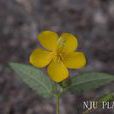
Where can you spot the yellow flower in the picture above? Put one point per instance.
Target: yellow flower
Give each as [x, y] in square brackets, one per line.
[58, 53]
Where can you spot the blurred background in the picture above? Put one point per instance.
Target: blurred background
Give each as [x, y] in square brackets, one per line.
[20, 22]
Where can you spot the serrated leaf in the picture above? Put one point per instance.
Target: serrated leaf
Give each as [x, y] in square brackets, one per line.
[88, 81]
[34, 78]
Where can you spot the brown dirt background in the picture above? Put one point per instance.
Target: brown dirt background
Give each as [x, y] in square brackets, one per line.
[20, 22]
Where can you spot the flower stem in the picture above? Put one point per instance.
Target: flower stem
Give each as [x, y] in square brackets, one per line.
[57, 103]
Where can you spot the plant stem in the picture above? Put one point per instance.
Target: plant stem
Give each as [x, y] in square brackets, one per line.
[57, 103]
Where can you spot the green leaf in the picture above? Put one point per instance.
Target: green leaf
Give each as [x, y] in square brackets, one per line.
[88, 81]
[107, 97]
[34, 78]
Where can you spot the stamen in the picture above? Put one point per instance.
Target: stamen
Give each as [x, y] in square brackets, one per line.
[61, 44]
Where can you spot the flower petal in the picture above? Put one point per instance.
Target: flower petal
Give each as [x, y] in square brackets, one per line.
[48, 40]
[67, 42]
[40, 58]
[74, 60]
[57, 71]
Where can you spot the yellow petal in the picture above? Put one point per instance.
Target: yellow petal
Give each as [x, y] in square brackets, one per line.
[48, 40]
[40, 58]
[67, 42]
[74, 60]
[57, 71]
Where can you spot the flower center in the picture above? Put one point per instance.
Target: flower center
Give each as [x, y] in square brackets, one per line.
[58, 56]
